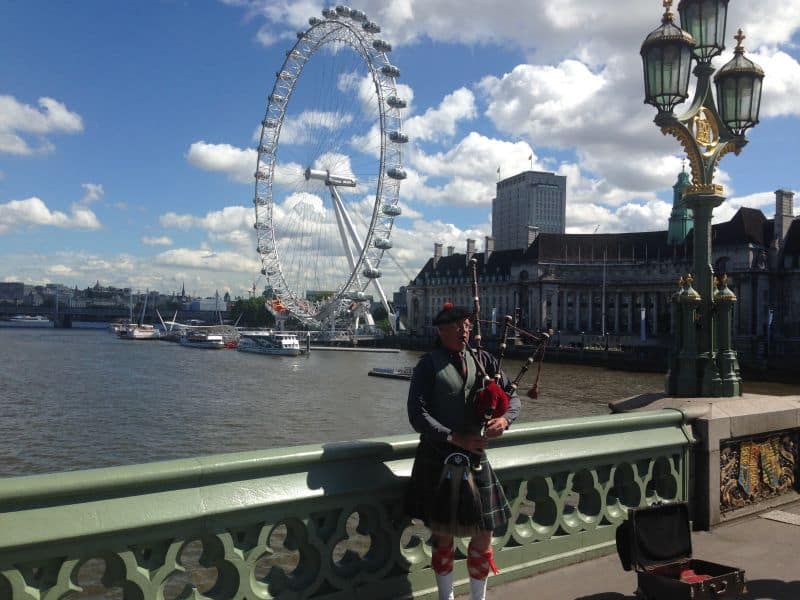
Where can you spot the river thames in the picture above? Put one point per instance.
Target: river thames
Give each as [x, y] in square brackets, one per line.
[77, 399]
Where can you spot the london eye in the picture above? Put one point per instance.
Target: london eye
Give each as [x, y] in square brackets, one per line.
[329, 170]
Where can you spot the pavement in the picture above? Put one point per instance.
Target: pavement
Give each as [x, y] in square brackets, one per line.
[768, 551]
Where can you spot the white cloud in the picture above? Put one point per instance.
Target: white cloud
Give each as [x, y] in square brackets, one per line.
[237, 163]
[92, 193]
[441, 121]
[61, 271]
[202, 259]
[157, 241]
[33, 212]
[782, 80]
[228, 219]
[18, 119]
[763, 201]
[304, 127]
[552, 104]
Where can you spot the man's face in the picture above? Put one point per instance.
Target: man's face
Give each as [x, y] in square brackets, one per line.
[454, 336]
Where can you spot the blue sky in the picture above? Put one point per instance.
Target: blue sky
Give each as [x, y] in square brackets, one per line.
[127, 129]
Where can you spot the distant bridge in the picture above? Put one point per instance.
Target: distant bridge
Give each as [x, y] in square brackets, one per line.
[66, 315]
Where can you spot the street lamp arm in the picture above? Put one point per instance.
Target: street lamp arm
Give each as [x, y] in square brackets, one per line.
[703, 96]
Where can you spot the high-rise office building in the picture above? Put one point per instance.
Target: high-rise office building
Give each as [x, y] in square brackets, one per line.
[528, 203]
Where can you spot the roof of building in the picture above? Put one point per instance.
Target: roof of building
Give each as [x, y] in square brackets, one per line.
[748, 225]
[587, 247]
[791, 245]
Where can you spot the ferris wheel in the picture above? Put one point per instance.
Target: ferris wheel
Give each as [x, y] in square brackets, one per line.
[329, 169]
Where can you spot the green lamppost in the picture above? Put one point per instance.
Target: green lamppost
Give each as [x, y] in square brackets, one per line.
[707, 131]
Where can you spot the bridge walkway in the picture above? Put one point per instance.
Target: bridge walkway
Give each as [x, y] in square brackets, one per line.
[768, 551]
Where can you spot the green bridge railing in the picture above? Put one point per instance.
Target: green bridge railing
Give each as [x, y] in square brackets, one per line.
[323, 521]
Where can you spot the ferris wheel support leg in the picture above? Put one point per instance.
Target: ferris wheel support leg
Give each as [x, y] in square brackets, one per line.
[354, 237]
[359, 245]
[337, 209]
[390, 315]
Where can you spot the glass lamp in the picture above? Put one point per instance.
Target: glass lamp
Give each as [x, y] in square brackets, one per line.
[705, 20]
[739, 90]
[666, 58]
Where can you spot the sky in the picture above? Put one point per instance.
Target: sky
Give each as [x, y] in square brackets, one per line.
[128, 130]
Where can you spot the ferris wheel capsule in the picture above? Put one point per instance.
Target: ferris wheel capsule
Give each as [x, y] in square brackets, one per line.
[398, 137]
[392, 210]
[396, 102]
[371, 27]
[371, 273]
[382, 46]
[383, 243]
[390, 71]
[396, 173]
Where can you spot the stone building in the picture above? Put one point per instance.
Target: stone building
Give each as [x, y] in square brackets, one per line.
[621, 284]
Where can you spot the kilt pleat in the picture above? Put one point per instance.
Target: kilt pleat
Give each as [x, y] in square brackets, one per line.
[425, 474]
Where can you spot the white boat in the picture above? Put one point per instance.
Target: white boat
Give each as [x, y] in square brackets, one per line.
[27, 321]
[140, 332]
[269, 342]
[200, 339]
[117, 328]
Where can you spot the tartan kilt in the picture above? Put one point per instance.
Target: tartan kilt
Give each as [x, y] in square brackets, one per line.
[425, 474]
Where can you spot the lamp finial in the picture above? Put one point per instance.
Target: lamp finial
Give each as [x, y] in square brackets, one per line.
[739, 37]
[668, 16]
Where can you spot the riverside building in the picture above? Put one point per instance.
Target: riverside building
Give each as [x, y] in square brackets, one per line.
[621, 284]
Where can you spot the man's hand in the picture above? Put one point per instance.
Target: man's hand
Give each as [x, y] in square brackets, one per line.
[472, 443]
[496, 427]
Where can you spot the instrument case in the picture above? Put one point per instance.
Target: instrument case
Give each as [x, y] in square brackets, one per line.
[656, 542]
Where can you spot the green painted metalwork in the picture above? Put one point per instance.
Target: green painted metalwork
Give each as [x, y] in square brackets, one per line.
[681, 218]
[706, 138]
[323, 521]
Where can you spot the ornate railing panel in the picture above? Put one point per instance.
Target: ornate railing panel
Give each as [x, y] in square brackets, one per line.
[323, 521]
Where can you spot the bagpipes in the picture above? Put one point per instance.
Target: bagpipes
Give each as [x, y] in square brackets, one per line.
[492, 400]
[457, 508]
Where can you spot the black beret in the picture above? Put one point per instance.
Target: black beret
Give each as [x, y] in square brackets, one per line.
[451, 314]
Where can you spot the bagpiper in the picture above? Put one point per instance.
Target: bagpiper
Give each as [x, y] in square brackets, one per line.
[457, 404]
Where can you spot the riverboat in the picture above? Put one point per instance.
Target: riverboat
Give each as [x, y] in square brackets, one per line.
[27, 321]
[201, 339]
[392, 373]
[140, 332]
[269, 342]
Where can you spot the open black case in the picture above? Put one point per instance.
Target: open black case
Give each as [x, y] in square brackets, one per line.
[656, 541]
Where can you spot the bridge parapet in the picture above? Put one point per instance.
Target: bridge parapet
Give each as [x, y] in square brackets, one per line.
[325, 521]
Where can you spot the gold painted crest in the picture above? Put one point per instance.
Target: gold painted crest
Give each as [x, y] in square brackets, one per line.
[704, 131]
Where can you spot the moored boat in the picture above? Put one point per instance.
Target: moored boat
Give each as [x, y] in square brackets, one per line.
[392, 373]
[140, 332]
[27, 321]
[201, 339]
[269, 342]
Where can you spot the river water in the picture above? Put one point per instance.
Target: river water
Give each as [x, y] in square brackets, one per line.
[77, 399]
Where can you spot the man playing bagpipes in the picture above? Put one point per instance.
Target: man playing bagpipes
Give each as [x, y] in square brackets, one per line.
[457, 406]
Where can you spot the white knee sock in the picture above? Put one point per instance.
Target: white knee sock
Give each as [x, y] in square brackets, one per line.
[445, 585]
[477, 588]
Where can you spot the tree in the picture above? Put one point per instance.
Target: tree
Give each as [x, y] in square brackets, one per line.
[253, 312]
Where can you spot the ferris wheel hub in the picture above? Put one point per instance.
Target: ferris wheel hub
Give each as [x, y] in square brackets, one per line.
[329, 179]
